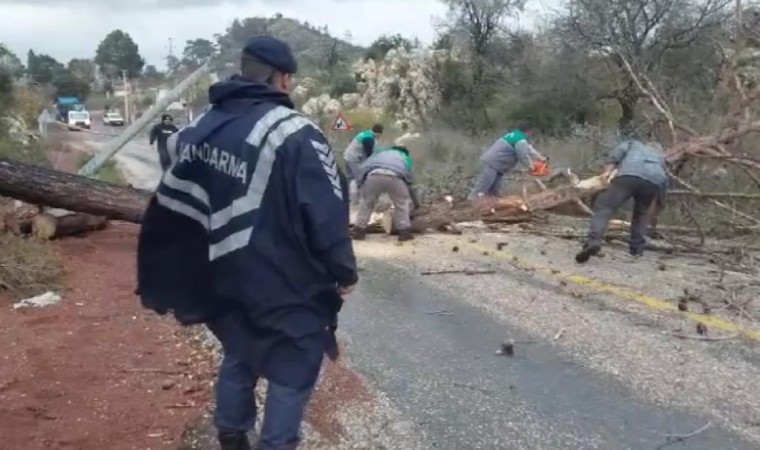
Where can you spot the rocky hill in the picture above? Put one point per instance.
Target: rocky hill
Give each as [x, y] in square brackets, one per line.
[314, 46]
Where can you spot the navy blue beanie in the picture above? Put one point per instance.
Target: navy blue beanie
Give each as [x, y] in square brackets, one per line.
[273, 52]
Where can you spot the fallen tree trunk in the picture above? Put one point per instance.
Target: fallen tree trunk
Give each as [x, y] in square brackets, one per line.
[510, 209]
[42, 186]
[57, 224]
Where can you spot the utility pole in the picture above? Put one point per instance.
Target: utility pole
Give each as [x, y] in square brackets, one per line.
[171, 55]
[111, 147]
[738, 33]
[125, 87]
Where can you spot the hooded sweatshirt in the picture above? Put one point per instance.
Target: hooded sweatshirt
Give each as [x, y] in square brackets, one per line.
[360, 148]
[252, 219]
[394, 159]
[507, 151]
[634, 158]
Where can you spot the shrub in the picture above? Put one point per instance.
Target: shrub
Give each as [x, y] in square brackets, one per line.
[28, 266]
[28, 102]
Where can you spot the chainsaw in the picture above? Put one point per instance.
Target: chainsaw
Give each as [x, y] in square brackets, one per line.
[540, 168]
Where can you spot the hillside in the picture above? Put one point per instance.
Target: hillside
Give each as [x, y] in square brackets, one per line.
[312, 45]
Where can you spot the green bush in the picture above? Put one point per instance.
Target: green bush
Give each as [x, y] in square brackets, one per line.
[343, 84]
[6, 90]
[33, 153]
[362, 119]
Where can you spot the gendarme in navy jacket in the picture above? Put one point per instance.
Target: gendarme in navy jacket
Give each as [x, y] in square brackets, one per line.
[251, 218]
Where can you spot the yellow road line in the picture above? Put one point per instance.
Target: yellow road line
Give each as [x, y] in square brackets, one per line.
[627, 294]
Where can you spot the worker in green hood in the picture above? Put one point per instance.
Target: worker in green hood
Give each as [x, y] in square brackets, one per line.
[502, 157]
[360, 148]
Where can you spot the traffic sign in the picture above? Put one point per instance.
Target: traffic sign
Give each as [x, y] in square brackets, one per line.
[341, 124]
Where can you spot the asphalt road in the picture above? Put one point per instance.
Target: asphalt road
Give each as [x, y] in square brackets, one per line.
[428, 343]
[138, 159]
[433, 355]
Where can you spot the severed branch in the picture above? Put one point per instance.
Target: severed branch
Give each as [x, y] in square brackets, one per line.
[730, 337]
[681, 437]
[730, 195]
[653, 95]
[458, 271]
[696, 223]
[715, 202]
[569, 176]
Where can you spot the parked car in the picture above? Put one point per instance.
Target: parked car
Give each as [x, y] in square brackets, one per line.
[113, 119]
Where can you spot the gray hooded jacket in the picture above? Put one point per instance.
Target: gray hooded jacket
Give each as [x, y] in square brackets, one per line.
[390, 160]
[502, 157]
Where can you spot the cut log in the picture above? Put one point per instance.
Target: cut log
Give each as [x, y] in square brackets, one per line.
[19, 226]
[16, 217]
[510, 209]
[53, 225]
[387, 222]
[42, 186]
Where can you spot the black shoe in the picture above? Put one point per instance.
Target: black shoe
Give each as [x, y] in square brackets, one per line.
[234, 441]
[405, 235]
[359, 234]
[636, 253]
[587, 252]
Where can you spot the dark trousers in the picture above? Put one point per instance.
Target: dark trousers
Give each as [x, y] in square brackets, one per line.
[163, 155]
[235, 400]
[622, 189]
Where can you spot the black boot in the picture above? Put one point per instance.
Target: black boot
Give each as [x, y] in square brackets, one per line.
[586, 253]
[405, 235]
[359, 234]
[234, 441]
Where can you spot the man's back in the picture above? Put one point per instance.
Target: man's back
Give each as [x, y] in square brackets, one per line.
[256, 182]
[248, 234]
[395, 160]
[643, 161]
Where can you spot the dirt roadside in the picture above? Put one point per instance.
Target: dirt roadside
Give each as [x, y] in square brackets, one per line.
[96, 370]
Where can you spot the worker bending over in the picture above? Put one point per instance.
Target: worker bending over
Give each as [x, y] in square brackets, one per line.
[389, 172]
[360, 148]
[639, 172]
[502, 157]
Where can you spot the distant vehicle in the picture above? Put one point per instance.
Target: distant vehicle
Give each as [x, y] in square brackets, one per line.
[113, 119]
[65, 104]
[79, 119]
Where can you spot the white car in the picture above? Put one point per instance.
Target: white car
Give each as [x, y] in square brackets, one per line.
[113, 119]
[78, 120]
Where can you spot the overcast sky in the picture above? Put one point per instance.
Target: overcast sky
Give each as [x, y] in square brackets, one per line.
[73, 28]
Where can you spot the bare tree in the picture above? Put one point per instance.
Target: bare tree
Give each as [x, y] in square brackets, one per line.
[482, 20]
[480, 24]
[332, 55]
[639, 34]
